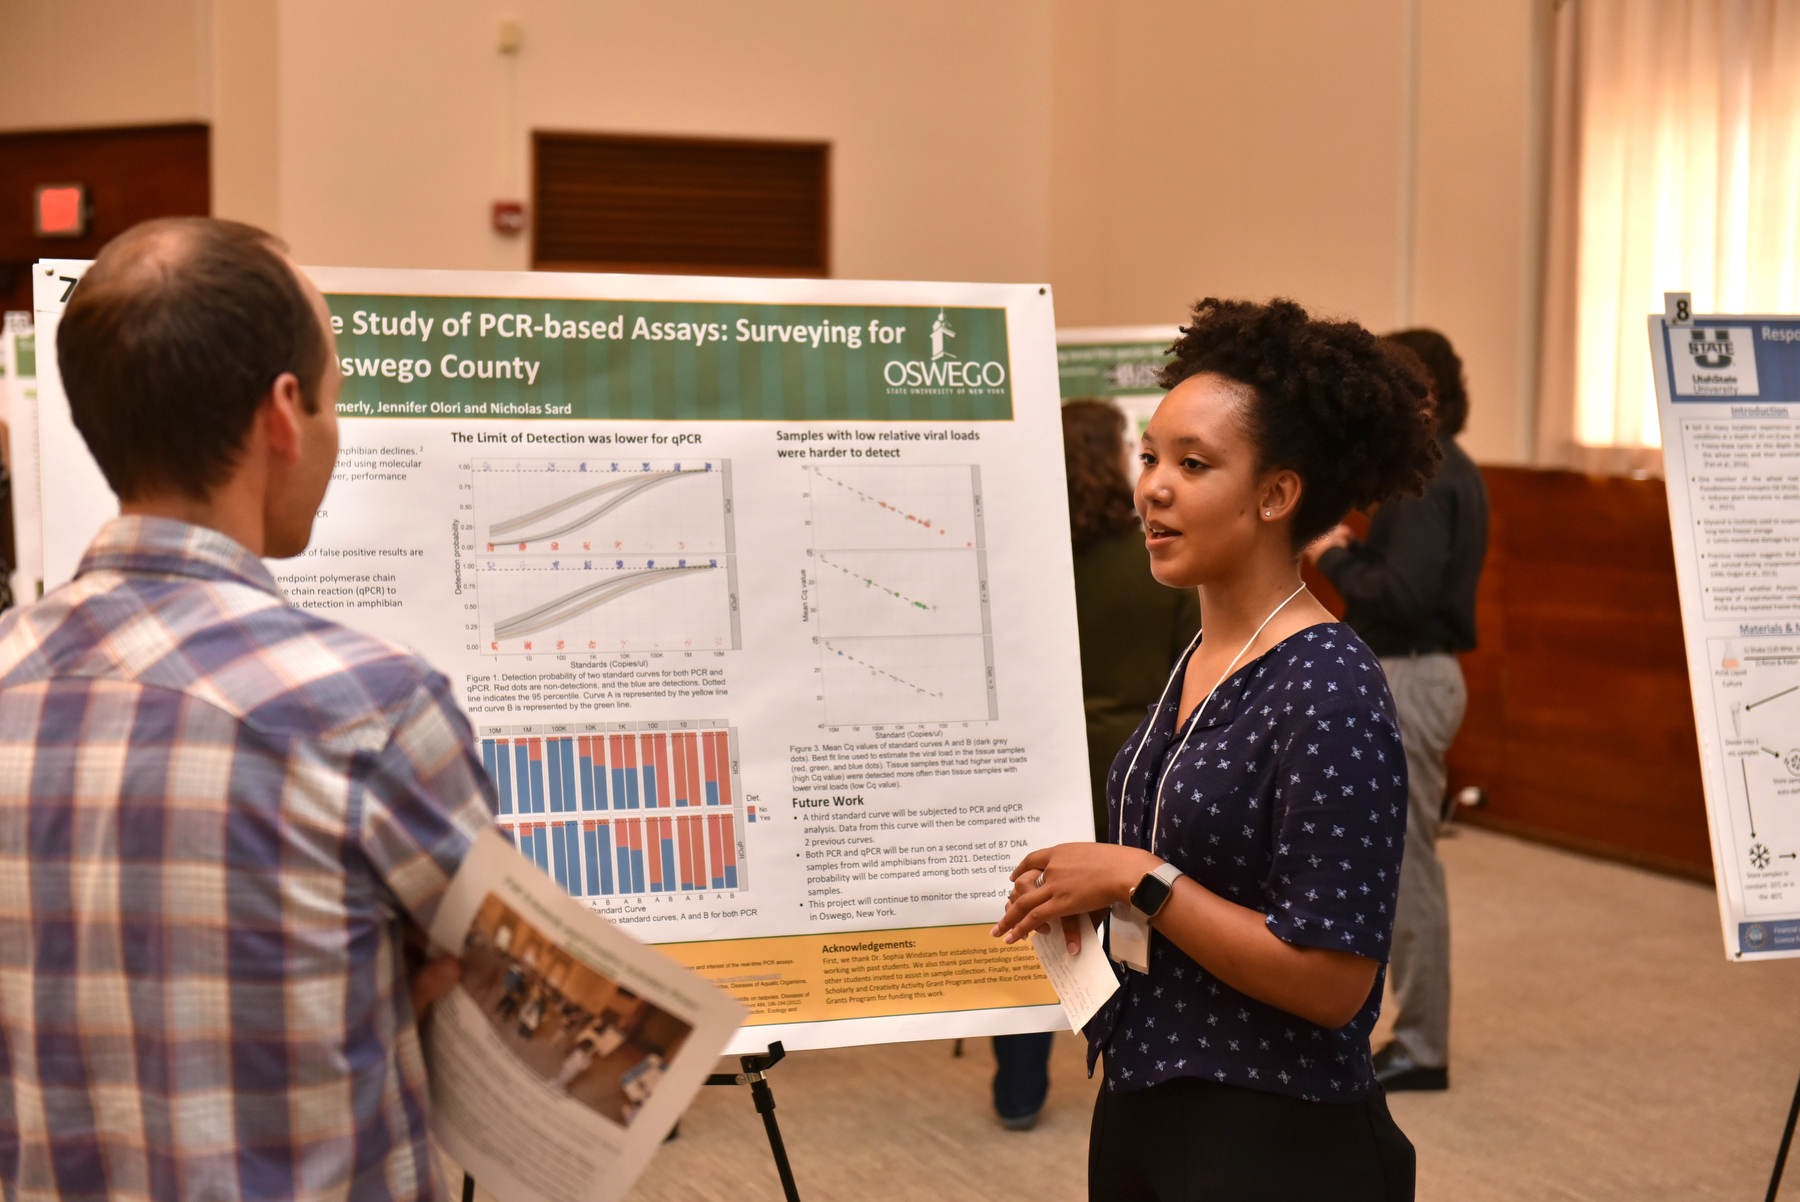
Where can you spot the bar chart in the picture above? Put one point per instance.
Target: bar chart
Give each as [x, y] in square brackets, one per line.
[612, 809]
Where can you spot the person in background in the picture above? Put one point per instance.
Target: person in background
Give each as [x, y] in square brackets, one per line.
[223, 820]
[1133, 629]
[1132, 632]
[1409, 591]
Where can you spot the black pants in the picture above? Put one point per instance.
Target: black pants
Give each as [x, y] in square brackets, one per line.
[1190, 1140]
[1021, 1073]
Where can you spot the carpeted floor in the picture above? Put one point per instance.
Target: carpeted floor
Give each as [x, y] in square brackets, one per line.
[1603, 1049]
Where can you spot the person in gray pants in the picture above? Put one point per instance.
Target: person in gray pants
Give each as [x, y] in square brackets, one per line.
[1409, 591]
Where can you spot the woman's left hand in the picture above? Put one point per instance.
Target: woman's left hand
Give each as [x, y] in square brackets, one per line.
[1069, 880]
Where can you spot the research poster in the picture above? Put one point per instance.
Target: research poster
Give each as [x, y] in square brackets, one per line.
[757, 592]
[1728, 394]
[1117, 364]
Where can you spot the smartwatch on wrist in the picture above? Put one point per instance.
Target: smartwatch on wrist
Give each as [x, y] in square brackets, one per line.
[1152, 892]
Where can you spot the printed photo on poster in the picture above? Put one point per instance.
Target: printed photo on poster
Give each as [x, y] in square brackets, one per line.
[590, 1036]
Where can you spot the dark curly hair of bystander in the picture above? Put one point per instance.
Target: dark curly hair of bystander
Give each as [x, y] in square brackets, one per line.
[1100, 501]
[1342, 409]
[1446, 368]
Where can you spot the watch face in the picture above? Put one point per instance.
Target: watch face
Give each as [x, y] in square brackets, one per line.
[1150, 894]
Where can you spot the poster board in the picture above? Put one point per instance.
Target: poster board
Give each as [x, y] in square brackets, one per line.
[1728, 396]
[1117, 364]
[757, 592]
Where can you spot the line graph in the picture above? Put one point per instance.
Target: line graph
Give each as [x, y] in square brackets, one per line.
[583, 554]
[869, 681]
[911, 506]
[870, 582]
[530, 604]
[887, 592]
[586, 506]
[576, 602]
[603, 506]
[898, 577]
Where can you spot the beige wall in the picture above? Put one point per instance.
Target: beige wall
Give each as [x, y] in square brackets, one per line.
[1246, 149]
[398, 129]
[245, 62]
[1477, 239]
[1262, 150]
[1138, 154]
[103, 62]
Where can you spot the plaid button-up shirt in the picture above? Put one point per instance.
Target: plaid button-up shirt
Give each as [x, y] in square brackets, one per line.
[217, 814]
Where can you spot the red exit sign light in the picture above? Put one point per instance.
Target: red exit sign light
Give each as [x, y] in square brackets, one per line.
[509, 216]
[60, 211]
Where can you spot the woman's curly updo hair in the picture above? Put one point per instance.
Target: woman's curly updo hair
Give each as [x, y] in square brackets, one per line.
[1343, 410]
[1100, 500]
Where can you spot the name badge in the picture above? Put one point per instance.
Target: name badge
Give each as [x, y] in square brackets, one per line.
[1129, 930]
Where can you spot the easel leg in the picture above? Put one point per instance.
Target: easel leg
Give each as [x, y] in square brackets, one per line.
[1787, 1141]
[753, 1075]
[765, 1106]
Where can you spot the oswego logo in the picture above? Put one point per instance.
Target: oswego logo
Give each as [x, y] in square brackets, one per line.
[940, 330]
[944, 370]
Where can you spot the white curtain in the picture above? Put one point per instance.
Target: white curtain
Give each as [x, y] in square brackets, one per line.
[1675, 166]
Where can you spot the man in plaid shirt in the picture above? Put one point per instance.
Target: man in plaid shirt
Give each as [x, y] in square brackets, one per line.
[222, 820]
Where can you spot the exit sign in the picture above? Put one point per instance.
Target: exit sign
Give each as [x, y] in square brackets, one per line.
[60, 211]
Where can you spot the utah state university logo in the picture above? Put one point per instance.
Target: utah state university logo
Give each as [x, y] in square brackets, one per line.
[1713, 361]
[1715, 353]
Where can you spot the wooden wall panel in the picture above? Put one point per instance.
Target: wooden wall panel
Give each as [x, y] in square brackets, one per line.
[1580, 722]
[132, 174]
[614, 202]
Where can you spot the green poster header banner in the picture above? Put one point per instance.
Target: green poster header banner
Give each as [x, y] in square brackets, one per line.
[510, 358]
[1108, 369]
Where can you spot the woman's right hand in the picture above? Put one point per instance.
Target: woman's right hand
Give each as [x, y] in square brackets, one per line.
[1066, 881]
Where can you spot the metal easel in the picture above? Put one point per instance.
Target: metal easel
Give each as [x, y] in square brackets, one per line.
[753, 1075]
[1787, 1141]
[755, 1068]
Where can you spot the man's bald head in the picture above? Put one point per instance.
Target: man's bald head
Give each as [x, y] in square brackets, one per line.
[172, 341]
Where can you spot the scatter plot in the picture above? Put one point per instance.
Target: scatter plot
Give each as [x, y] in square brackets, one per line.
[899, 576]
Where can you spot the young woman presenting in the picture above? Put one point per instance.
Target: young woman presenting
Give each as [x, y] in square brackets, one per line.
[1258, 816]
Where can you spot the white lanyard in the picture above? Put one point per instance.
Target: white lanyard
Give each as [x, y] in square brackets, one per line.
[1193, 722]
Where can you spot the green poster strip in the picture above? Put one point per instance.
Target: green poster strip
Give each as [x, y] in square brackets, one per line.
[1109, 369]
[27, 353]
[511, 359]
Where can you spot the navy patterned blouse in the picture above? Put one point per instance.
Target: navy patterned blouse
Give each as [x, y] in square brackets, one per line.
[1289, 798]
